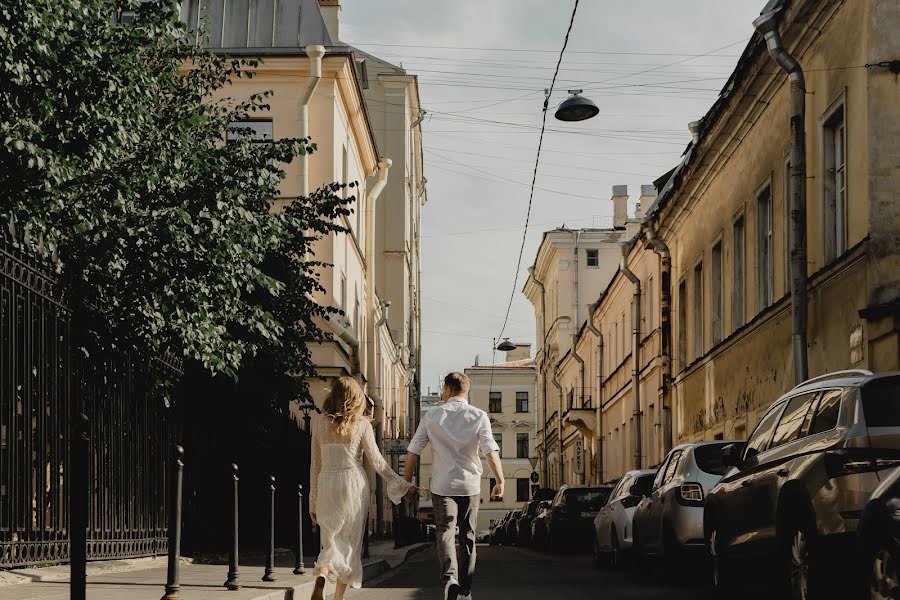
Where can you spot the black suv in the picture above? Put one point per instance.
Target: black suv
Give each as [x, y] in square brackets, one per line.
[571, 518]
[798, 488]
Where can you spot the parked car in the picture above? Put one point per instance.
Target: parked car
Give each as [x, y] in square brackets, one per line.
[497, 529]
[613, 524]
[668, 521]
[570, 518]
[509, 527]
[523, 525]
[799, 487]
[539, 524]
[879, 536]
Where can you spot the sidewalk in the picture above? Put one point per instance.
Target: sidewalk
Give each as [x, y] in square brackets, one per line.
[107, 581]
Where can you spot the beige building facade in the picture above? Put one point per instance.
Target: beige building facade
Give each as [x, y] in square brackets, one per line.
[507, 392]
[709, 264]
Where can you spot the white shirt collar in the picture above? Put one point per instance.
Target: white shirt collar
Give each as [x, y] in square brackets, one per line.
[457, 399]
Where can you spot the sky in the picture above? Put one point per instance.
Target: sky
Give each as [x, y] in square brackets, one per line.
[651, 66]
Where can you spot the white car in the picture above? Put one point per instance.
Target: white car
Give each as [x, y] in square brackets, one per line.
[612, 525]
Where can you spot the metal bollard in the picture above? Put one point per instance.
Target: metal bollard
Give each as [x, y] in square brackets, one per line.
[300, 568]
[172, 585]
[269, 574]
[80, 502]
[233, 582]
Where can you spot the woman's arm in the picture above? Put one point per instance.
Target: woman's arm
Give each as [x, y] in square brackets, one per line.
[397, 488]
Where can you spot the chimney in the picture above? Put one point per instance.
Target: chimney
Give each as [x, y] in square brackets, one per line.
[648, 197]
[620, 205]
[331, 13]
[694, 128]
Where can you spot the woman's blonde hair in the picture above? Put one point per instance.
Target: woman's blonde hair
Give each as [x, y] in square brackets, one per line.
[345, 404]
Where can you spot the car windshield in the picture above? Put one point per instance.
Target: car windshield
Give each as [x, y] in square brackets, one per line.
[709, 459]
[881, 402]
[582, 497]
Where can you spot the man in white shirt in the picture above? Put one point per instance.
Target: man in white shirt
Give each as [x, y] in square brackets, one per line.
[457, 432]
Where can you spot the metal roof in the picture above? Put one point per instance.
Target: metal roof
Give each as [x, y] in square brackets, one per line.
[287, 25]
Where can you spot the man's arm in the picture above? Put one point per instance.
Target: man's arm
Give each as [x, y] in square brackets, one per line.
[409, 471]
[493, 461]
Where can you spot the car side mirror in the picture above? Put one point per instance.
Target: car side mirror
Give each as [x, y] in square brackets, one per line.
[731, 455]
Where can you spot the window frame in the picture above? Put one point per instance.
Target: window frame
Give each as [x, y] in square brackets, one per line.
[823, 394]
[498, 438]
[519, 488]
[777, 407]
[491, 398]
[682, 323]
[590, 253]
[765, 247]
[527, 441]
[717, 309]
[519, 402]
[698, 333]
[834, 119]
[738, 293]
[812, 404]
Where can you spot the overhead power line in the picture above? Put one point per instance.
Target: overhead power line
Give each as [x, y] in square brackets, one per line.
[539, 50]
[537, 162]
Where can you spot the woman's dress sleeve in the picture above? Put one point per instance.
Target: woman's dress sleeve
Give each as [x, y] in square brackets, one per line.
[395, 485]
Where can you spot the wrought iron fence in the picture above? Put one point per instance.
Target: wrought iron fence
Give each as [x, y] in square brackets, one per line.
[43, 384]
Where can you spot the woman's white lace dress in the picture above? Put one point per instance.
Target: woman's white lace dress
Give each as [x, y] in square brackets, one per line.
[339, 494]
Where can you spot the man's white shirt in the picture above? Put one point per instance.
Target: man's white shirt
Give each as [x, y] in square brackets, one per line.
[457, 431]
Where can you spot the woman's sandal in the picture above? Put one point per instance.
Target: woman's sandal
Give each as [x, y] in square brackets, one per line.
[319, 589]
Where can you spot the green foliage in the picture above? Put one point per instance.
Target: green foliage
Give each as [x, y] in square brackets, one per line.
[112, 160]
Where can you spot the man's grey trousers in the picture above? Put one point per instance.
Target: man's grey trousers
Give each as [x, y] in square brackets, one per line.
[451, 512]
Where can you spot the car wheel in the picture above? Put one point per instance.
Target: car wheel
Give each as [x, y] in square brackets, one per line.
[883, 580]
[800, 560]
[717, 562]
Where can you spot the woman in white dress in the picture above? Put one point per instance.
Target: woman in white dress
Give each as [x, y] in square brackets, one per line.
[339, 487]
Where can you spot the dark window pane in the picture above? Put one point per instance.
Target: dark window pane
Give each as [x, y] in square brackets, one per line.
[521, 401]
[881, 402]
[827, 414]
[521, 490]
[792, 418]
[495, 403]
[672, 467]
[759, 441]
[709, 459]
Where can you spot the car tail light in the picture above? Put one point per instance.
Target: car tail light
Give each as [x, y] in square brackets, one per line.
[631, 501]
[690, 494]
[849, 461]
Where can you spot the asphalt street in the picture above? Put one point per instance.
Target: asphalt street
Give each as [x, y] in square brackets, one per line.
[524, 574]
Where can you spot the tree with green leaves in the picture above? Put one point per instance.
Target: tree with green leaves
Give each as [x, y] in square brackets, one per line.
[113, 163]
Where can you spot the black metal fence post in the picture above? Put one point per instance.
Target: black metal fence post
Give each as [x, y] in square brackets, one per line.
[81, 452]
[172, 584]
[300, 568]
[269, 574]
[233, 582]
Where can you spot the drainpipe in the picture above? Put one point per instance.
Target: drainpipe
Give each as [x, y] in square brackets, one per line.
[635, 352]
[576, 238]
[665, 326]
[766, 24]
[546, 466]
[562, 472]
[379, 422]
[384, 167]
[315, 54]
[598, 410]
[580, 361]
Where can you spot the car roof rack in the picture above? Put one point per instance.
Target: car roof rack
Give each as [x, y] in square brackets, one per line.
[836, 375]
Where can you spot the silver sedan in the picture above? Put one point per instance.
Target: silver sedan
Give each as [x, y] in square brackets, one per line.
[612, 525]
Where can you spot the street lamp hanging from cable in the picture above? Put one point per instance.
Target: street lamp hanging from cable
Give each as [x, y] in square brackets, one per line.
[576, 108]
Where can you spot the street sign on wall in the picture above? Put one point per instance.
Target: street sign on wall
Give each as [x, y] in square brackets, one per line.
[395, 447]
[579, 456]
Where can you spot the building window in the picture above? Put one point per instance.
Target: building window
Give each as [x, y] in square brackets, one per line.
[498, 437]
[491, 483]
[258, 132]
[682, 324]
[495, 402]
[343, 292]
[650, 306]
[571, 399]
[737, 290]
[787, 227]
[522, 490]
[765, 267]
[835, 184]
[699, 314]
[593, 258]
[717, 293]
[522, 445]
[522, 402]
